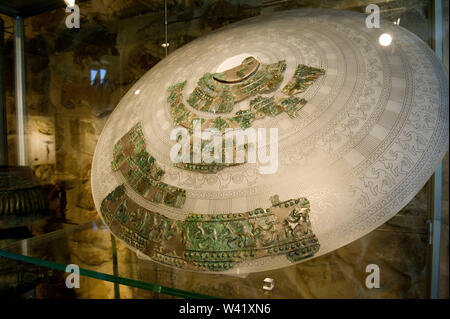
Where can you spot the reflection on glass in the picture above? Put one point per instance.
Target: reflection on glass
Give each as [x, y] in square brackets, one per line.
[385, 39]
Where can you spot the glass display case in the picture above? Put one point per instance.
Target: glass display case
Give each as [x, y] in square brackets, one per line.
[64, 71]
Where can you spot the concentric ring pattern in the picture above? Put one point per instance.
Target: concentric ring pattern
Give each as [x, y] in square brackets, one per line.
[373, 130]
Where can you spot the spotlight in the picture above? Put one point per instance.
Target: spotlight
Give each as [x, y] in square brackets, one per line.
[385, 39]
[70, 3]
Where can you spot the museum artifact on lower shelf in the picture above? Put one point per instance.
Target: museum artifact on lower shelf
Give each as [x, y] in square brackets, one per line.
[22, 199]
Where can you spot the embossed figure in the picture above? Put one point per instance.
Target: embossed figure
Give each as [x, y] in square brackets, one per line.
[218, 93]
[213, 242]
[139, 169]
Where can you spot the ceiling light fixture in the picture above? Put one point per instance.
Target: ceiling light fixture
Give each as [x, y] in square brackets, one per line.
[385, 39]
[70, 3]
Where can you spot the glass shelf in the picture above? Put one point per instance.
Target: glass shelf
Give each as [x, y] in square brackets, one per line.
[100, 256]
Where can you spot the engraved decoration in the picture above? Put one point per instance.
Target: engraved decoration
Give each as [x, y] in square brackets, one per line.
[361, 128]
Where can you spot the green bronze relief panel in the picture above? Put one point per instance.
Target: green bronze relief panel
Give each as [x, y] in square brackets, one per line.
[141, 171]
[246, 69]
[217, 93]
[303, 77]
[260, 107]
[234, 85]
[213, 242]
[273, 106]
[209, 168]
